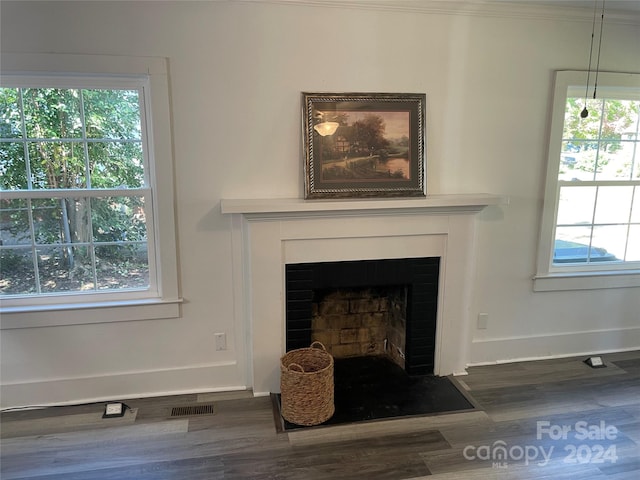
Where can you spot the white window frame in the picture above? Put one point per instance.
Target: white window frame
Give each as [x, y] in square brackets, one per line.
[550, 277]
[162, 299]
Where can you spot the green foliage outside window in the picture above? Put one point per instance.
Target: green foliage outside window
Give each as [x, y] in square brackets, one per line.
[600, 145]
[71, 139]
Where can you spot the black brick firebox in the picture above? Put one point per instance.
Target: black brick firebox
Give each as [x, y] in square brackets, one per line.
[419, 275]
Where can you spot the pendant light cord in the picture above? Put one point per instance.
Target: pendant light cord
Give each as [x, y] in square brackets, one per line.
[585, 112]
[595, 86]
[593, 34]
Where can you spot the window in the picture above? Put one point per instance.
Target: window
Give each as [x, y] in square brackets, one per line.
[81, 217]
[591, 218]
[73, 215]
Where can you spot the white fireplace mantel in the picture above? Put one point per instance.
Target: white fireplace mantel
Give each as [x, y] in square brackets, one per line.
[447, 203]
[268, 234]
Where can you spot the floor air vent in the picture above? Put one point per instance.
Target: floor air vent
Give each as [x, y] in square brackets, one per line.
[193, 410]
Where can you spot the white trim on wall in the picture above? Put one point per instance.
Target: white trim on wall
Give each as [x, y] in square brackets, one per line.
[122, 386]
[566, 344]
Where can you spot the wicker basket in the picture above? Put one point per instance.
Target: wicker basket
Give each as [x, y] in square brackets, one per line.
[306, 385]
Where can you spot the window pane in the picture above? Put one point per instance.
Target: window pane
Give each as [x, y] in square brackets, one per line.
[57, 165]
[568, 161]
[65, 269]
[578, 160]
[61, 220]
[633, 246]
[47, 221]
[112, 114]
[620, 118]
[571, 244]
[576, 205]
[615, 161]
[122, 266]
[613, 204]
[576, 127]
[13, 168]
[10, 119]
[608, 241]
[116, 164]
[14, 223]
[17, 274]
[52, 113]
[118, 219]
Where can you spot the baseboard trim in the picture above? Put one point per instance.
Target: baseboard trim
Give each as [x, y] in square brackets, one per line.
[122, 386]
[544, 347]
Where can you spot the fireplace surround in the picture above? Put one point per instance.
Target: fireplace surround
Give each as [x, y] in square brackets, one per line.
[270, 234]
[418, 278]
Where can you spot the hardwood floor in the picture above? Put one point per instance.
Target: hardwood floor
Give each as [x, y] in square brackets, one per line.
[524, 408]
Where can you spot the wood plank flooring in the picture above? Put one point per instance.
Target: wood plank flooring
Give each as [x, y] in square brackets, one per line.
[239, 441]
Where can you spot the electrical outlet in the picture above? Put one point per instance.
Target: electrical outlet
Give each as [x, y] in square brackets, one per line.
[221, 341]
[483, 321]
[595, 362]
[113, 410]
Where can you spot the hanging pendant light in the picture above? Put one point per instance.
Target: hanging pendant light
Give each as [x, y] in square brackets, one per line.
[585, 113]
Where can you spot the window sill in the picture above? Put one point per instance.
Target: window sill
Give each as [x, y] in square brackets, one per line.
[88, 313]
[586, 281]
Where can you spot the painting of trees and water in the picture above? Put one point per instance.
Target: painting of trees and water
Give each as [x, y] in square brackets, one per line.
[366, 145]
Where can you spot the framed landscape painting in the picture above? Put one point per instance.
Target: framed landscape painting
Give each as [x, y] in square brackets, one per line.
[364, 145]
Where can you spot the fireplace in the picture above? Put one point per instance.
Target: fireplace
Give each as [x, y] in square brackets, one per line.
[271, 236]
[367, 307]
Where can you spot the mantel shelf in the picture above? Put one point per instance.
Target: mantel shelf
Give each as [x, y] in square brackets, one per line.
[448, 203]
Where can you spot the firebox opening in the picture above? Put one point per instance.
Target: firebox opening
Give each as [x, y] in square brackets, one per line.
[367, 321]
[366, 307]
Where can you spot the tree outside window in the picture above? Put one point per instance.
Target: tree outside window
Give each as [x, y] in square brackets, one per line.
[74, 204]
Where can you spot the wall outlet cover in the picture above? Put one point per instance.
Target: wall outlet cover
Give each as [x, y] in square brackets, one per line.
[595, 362]
[221, 341]
[113, 410]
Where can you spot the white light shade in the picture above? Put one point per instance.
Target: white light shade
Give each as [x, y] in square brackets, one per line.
[326, 128]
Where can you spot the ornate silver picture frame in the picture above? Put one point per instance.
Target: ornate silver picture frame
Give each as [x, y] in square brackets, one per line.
[364, 144]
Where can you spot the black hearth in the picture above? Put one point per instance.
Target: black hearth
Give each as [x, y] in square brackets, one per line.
[375, 388]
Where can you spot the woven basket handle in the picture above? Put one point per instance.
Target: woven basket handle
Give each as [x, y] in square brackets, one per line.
[321, 346]
[296, 367]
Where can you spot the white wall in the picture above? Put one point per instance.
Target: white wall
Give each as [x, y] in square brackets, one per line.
[237, 70]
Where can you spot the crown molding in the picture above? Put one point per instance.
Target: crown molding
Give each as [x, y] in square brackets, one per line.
[524, 9]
